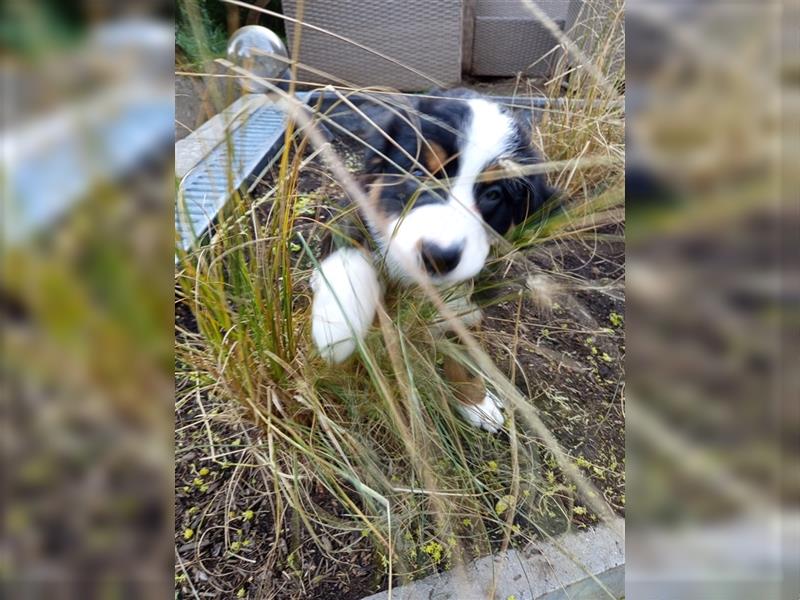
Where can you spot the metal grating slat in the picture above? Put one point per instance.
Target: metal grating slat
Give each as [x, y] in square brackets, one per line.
[205, 189]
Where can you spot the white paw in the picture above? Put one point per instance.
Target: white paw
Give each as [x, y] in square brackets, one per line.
[487, 414]
[346, 296]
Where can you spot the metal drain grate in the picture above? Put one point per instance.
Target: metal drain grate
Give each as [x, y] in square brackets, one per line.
[206, 188]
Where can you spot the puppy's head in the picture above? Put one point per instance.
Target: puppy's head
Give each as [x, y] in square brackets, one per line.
[441, 173]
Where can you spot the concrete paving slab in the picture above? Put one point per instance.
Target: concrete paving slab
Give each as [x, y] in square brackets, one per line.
[548, 570]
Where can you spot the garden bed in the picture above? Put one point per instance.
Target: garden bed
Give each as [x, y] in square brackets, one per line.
[553, 323]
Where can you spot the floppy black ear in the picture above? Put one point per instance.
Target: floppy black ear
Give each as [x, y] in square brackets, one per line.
[390, 136]
[542, 199]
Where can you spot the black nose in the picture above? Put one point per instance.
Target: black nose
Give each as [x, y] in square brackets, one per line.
[439, 260]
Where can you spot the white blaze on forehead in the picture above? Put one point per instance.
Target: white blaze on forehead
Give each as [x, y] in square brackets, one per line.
[489, 135]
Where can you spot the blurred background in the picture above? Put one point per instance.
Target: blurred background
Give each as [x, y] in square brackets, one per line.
[86, 298]
[712, 288]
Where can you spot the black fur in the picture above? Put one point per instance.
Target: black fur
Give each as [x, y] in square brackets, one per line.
[395, 150]
[404, 126]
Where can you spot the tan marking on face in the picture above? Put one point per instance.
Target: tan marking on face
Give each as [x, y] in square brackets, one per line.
[493, 172]
[434, 157]
[374, 199]
[468, 387]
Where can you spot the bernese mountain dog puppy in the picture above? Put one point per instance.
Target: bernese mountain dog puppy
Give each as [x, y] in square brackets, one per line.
[429, 168]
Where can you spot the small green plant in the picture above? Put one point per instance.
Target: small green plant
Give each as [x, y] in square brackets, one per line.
[199, 36]
[434, 550]
[504, 503]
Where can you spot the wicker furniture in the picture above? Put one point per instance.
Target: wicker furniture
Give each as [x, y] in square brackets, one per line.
[508, 39]
[414, 45]
[421, 37]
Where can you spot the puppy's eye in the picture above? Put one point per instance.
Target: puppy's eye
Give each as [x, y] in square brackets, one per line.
[417, 173]
[492, 195]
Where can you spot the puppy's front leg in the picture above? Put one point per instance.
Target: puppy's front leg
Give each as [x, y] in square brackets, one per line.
[346, 296]
[476, 404]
